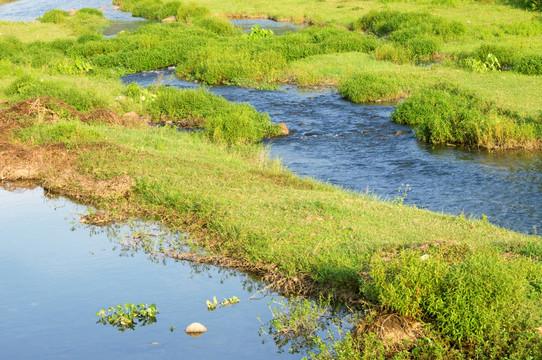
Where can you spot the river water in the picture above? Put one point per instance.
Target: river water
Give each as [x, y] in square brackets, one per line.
[357, 147]
[56, 274]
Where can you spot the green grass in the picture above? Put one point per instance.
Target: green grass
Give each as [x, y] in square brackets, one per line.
[463, 276]
[447, 114]
[475, 286]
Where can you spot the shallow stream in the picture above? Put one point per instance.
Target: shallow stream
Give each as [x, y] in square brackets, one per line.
[358, 147]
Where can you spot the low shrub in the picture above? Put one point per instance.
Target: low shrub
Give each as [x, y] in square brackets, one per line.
[88, 37]
[395, 53]
[446, 114]
[533, 5]
[368, 87]
[423, 46]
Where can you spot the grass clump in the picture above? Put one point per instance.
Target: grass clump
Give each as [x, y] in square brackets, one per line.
[54, 16]
[218, 26]
[191, 11]
[477, 300]
[30, 86]
[406, 25]
[369, 87]
[446, 114]
[528, 64]
[89, 11]
[415, 36]
[72, 133]
[223, 121]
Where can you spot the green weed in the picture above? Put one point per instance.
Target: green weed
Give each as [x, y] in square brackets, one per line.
[128, 316]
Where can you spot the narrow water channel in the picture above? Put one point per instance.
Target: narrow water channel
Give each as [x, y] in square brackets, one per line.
[358, 147]
[56, 274]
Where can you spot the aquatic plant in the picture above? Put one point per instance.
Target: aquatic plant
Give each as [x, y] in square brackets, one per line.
[491, 63]
[211, 306]
[256, 33]
[230, 301]
[128, 316]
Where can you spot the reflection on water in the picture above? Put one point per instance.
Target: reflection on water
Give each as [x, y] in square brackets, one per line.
[57, 274]
[26, 10]
[358, 147]
[123, 25]
[279, 28]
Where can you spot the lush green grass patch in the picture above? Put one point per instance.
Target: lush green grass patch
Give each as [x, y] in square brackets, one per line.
[447, 114]
[369, 87]
[223, 121]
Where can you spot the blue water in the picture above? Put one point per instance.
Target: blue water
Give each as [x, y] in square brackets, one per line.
[56, 274]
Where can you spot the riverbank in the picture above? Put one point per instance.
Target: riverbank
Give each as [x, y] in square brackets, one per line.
[312, 238]
[456, 282]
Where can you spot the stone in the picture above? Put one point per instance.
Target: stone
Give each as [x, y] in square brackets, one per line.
[116, 8]
[195, 329]
[401, 132]
[72, 12]
[283, 129]
[169, 19]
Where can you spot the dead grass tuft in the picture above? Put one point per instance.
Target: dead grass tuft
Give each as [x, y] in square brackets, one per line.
[391, 329]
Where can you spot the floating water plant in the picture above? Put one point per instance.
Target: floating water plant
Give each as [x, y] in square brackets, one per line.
[128, 316]
[211, 306]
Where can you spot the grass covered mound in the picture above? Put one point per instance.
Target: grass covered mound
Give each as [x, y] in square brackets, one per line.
[447, 114]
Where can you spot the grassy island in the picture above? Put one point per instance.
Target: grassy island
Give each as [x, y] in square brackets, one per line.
[455, 287]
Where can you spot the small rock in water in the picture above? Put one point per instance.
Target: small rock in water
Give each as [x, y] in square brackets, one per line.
[195, 329]
[303, 124]
[401, 132]
[116, 7]
[283, 129]
[154, 343]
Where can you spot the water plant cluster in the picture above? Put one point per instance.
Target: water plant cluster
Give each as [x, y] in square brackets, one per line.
[128, 316]
[455, 287]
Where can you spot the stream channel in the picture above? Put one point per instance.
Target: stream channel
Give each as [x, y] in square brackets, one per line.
[357, 147]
